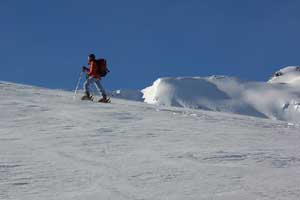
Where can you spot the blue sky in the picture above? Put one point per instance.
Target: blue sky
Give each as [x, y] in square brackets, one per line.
[45, 43]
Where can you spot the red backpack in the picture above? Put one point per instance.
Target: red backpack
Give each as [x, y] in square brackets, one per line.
[102, 69]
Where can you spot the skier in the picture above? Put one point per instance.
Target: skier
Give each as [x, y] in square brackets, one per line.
[97, 69]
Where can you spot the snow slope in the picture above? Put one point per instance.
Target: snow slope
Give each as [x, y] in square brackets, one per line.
[277, 99]
[55, 147]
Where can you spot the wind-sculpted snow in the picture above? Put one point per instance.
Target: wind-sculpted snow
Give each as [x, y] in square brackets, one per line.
[227, 94]
[289, 75]
[55, 147]
[184, 90]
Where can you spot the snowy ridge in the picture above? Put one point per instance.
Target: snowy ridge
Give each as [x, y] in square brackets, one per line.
[55, 147]
[229, 94]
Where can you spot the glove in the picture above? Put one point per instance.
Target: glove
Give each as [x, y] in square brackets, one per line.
[84, 68]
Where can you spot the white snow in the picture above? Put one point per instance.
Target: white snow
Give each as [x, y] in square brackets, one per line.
[129, 94]
[279, 98]
[288, 75]
[55, 148]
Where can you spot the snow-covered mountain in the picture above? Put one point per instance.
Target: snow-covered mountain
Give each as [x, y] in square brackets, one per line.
[56, 147]
[279, 98]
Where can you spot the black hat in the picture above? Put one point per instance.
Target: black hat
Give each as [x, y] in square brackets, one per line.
[92, 56]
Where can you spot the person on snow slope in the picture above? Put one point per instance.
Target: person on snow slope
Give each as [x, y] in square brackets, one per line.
[97, 69]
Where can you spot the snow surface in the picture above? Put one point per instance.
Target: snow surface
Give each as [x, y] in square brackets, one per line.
[279, 98]
[134, 95]
[55, 147]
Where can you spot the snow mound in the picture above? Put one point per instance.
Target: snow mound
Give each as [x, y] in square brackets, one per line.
[288, 75]
[229, 94]
[199, 93]
[183, 92]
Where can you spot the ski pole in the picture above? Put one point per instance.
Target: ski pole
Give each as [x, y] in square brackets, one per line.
[78, 82]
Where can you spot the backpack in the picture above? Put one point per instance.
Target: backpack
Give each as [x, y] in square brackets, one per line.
[102, 69]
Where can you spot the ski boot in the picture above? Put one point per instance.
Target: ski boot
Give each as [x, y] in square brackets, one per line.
[104, 99]
[87, 96]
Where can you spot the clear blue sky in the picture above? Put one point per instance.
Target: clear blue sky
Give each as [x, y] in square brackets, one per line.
[45, 43]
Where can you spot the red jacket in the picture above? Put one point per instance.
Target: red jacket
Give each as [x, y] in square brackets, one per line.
[93, 70]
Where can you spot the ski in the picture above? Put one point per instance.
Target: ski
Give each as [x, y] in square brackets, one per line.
[93, 99]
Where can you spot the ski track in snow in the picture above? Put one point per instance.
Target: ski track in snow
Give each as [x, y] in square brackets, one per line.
[55, 147]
